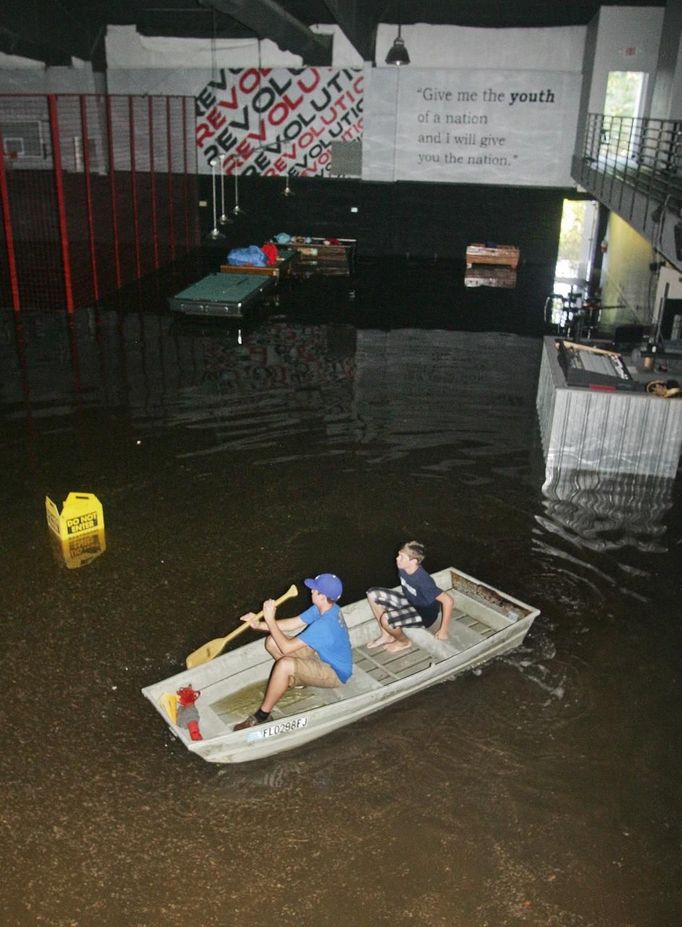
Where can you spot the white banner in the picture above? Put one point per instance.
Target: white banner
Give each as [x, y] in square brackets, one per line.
[490, 127]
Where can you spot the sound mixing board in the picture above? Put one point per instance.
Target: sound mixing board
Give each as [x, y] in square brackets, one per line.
[586, 366]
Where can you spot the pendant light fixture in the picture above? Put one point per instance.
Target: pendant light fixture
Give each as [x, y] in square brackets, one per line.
[215, 232]
[397, 53]
[237, 211]
[224, 218]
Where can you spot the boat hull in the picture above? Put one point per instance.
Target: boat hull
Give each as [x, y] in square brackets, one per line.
[486, 624]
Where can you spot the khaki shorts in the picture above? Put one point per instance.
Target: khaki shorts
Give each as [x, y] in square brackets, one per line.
[310, 670]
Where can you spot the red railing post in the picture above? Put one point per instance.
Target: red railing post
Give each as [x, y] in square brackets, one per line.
[88, 196]
[9, 231]
[112, 188]
[152, 183]
[171, 213]
[133, 185]
[61, 204]
[185, 181]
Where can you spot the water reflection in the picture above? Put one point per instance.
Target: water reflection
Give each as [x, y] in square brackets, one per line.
[500, 277]
[419, 389]
[407, 389]
[283, 380]
[595, 528]
[452, 403]
[607, 511]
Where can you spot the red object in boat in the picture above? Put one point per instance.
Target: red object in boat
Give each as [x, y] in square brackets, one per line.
[194, 732]
[187, 695]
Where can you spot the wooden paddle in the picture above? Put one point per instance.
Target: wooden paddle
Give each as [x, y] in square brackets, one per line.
[212, 649]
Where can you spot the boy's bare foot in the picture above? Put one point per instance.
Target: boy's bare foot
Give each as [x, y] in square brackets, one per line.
[397, 646]
[379, 642]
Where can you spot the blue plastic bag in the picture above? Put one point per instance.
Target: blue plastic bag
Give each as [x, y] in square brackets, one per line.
[252, 255]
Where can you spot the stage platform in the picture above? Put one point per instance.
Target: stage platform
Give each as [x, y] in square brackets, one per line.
[607, 424]
[224, 295]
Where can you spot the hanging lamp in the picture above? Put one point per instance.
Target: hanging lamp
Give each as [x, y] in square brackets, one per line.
[237, 211]
[215, 232]
[397, 54]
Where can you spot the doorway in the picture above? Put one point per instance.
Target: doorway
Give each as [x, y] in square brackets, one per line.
[577, 243]
[575, 257]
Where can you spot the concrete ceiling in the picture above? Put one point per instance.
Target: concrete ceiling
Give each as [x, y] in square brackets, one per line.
[54, 32]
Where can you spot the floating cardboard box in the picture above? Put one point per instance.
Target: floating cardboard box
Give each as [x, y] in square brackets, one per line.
[81, 513]
[79, 550]
[488, 253]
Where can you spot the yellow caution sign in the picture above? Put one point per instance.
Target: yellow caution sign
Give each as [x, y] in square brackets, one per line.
[81, 513]
[81, 549]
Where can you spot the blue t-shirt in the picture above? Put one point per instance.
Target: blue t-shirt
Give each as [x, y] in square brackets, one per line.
[421, 591]
[328, 635]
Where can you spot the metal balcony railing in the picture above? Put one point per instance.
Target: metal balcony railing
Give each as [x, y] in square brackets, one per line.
[622, 155]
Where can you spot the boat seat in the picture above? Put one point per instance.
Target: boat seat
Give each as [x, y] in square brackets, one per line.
[467, 631]
[358, 684]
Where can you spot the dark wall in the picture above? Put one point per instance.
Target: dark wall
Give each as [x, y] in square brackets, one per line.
[419, 219]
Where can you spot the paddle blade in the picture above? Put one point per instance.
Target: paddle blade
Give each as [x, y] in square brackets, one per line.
[211, 650]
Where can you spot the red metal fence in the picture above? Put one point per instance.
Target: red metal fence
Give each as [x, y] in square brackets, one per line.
[96, 191]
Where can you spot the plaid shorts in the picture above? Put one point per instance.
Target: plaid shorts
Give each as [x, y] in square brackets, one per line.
[399, 612]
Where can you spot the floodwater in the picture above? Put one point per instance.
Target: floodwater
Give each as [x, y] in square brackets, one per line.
[542, 790]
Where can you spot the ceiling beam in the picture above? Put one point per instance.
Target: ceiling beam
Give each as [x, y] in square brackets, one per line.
[44, 32]
[270, 21]
[358, 21]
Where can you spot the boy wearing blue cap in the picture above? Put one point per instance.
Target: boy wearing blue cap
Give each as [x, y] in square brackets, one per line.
[319, 655]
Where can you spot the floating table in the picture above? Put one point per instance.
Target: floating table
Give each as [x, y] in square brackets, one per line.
[479, 253]
[227, 295]
[286, 263]
[325, 256]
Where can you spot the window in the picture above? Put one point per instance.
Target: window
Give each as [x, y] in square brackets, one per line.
[623, 107]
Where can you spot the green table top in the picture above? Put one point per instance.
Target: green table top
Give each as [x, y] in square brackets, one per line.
[224, 288]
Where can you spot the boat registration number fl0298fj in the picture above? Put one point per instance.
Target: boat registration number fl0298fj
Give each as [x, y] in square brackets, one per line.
[284, 727]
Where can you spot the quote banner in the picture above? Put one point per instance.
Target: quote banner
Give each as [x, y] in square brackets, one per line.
[490, 127]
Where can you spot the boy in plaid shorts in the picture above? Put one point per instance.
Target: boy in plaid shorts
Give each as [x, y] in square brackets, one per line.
[419, 603]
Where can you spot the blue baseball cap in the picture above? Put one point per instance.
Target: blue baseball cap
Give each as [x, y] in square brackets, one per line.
[328, 584]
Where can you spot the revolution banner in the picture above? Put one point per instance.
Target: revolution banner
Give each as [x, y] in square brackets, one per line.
[482, 126]
[278, 121]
